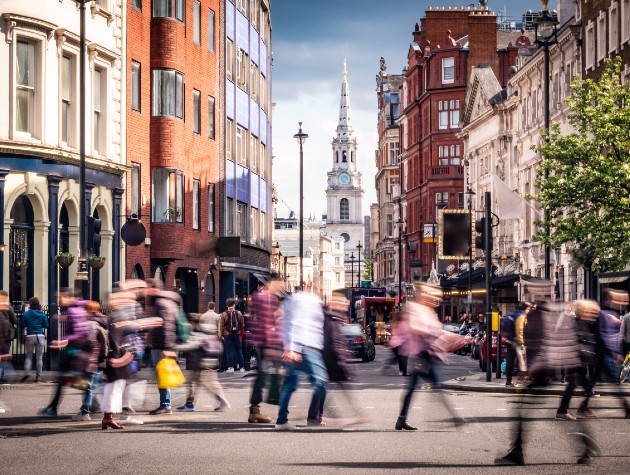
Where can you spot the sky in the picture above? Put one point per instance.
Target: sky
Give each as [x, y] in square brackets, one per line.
[310, 39]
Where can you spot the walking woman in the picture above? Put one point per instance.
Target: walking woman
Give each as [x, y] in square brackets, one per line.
[35, 322]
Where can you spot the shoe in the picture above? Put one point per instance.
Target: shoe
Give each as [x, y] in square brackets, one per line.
[400, 373]
[129, 410]
[24, 378]
[586, 414]
[315, 423]
[38, 379]
[161, 410]
[132, 421]
[401, 424]
[223, 405]
[594, 394]
[81, 417]
[2, 411]
[627, 412]
[258, 418]
[187, 408]
[229, 370]
[286, 427]
[513, 457]
[48, 412]
[585, 460]
[242, 370]
[510, 385]
[109, 423]
[565, 416]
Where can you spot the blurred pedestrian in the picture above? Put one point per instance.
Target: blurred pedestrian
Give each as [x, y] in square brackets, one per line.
[266, 330]
[200, 362]
[552, 350]
[513, 330]
[398, 335]
[76, 341]
[35, 322]
[610, 357]
[303, 341]
[624, 334]
[426, 344]
[231, 325]
[8, 332]
[163, 339]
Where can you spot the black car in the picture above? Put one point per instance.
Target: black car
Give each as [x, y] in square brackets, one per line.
[359, 344]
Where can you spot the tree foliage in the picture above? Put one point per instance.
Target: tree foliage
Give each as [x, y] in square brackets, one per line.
[584, 178]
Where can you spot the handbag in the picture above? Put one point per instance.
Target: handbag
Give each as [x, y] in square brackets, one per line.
[169, 374]
[419, 364]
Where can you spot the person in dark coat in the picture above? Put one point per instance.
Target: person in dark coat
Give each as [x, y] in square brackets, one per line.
[8, 321]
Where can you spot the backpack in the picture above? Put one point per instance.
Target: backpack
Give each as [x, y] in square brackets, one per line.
[507, 328]
[182, 328]
[232, 322]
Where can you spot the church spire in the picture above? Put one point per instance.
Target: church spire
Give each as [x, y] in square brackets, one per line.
[344, 128]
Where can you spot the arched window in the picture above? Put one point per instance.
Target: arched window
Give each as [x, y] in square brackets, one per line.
[344, 158]
[337, 156]
[351, 156]
[344, 209]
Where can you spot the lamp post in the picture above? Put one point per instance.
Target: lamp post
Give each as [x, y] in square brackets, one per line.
[546, 36]
[352, 269]
[470, 194]
[359, 247]
[301, 138]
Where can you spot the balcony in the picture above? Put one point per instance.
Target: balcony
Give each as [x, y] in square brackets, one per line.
[447, 171]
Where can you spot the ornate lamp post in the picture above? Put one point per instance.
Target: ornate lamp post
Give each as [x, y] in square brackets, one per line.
[301, 138]
[359, 247]
[546, 36]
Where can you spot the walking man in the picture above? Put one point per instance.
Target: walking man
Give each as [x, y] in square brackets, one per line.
[230, 327]
[303, 341]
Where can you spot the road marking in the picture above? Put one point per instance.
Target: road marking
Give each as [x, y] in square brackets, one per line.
[369, 407]
[501, 409]
[417, 407]
[458, 408]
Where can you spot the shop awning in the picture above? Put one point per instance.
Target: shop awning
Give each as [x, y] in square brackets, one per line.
[505, 281]
[613, 277]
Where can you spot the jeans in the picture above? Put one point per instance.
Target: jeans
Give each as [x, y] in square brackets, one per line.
[233, 344]
[433, 376]
[34, 342]
[312, 365]
[260, 382]
[575, 377]
[165, 394]
[88, 398]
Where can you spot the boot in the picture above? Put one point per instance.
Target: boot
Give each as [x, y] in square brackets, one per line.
[255, 416]
[401, 424]
[109, 422]
[627, 407]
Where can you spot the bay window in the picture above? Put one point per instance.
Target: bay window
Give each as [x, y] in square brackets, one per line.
[168, 93]
[169, 9]
[167, 190]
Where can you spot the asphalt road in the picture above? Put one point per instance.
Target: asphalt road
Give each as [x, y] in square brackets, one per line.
[209, 442]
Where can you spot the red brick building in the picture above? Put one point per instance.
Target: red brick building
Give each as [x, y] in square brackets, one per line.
[446, 45]
[172, 143]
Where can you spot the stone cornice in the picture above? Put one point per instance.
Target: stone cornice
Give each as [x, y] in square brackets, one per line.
[60, 155]
[13, 20]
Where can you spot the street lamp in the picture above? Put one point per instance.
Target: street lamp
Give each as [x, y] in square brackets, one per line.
[470, 194]
[352, 269]
[301, 138]
[359, 247]
[546, 36]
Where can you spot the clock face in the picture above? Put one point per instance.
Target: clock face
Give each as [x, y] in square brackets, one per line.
[344, 178]
[428, 231]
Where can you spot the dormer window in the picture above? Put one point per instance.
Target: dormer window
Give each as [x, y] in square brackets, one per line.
[448, 70]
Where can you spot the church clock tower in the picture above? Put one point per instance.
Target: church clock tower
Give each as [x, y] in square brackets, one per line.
[344, 191]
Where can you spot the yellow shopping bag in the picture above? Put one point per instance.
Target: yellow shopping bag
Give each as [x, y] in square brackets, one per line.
[169, 375]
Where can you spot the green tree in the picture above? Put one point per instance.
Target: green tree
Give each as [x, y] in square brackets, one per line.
[586, 193]
[367, 269]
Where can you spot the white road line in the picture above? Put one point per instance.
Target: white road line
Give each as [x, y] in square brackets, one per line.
[369, 407]
[500, 409]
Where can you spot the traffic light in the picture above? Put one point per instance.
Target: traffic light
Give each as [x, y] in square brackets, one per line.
[455, 234]
[94, 234]
[480, 229]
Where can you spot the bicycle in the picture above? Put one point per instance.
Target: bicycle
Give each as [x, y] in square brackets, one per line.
[625, 369]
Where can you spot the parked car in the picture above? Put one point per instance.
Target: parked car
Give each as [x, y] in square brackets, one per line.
[482, 352]
[359, 344]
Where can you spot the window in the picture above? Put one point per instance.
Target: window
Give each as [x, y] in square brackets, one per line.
[196, 111]
[337, 261]
[26, 84]
[241, 145]
[263, 161]
[135, 86]
[613, 31]
[241, 220]
[448, 70]
[169, 9]
[168, 93]
[97, 108]
[137, 4]
[589, 45]
[167, 195]
[135, 189]
[338, 277]
[601, 36]
[66, 98]
[210, 207]
[229, 137]
[344, 209]
[255, 224]
[197, 23]
[211, 27]
[449, 155]
[625, 21]
[211, 117]
[229, 59]
[196, 204]
[454, 107]
[394, 149]
[443, 114]
[263, 229]
[390, 225]
[253, 155]
[230, 216]
[242, 74]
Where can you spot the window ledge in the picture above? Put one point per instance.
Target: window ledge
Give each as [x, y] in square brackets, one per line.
[26, 22]
[98, 10]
